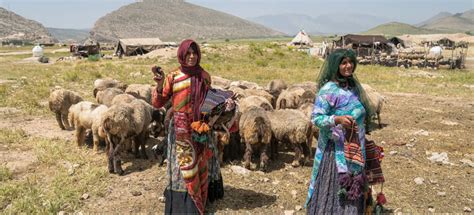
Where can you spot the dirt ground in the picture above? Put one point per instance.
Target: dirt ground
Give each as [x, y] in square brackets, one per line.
[414, 127]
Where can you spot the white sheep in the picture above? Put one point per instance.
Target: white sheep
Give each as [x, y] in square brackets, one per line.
[102, 84]
[376, 101]
[87, 115]
[254, 101]
[60, 100]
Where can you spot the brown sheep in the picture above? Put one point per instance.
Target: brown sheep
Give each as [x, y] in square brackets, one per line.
[220, 82]
[124, 121]
[290, 98]
[87, 115]
[102, 84]
[292, 127]
[254, 101]
[106, 96]
[60, 100]
[261, 93]
[256, 132]
[140, 91]
[274, 87]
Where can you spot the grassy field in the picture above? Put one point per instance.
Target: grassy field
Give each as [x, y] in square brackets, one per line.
[61, 173]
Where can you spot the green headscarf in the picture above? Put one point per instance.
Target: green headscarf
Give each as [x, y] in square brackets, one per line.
[330, 72]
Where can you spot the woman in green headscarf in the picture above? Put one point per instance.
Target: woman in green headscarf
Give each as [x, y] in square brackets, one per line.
[341, 108]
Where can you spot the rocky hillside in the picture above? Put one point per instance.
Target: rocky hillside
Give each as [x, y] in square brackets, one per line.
[69, 35]
[397, 28]
[16, 27]
[459, 22]
[174, 20]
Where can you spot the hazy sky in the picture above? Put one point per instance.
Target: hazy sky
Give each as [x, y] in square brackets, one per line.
[80, 14]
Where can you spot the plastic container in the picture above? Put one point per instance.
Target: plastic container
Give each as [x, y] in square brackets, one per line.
[37, 51]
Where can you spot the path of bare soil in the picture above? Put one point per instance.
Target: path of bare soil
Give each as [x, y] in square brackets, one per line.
[414, 126]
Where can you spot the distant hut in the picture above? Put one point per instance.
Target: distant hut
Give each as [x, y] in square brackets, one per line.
[301, 39]
[89, 47]
[138, 46]
[364, 44]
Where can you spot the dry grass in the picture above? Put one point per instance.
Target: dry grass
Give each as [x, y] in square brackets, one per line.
[49, 188]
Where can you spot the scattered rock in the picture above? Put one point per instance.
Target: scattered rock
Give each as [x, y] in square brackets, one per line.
[382, 142]
[84, 196]
[431, 209]
[294, 193]
[276, 182]
[298, 207]
[442, 194]
[266, 179]
[393, 152]
[240, 170]
[422, 132]
[467, 209]
[126, 179]
[289, 212]
[136, 193]
[61, 212]
[162, 199]
[419, 180]
[467, 162]
[447, 122]
[441, 158]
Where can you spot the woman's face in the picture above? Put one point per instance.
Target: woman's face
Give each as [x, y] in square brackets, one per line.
[346, 68]
[191, 57]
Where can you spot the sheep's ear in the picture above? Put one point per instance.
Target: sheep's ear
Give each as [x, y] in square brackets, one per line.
[95, 92]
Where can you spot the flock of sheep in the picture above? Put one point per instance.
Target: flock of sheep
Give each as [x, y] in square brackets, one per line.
[277, 115]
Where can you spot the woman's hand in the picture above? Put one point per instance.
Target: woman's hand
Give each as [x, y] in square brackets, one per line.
[345, 121]
[158, 77]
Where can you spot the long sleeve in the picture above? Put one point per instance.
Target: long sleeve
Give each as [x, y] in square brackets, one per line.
[321, 115]
[158, 99]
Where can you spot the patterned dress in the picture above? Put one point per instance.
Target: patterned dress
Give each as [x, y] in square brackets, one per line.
[187, 165]
[333, 100]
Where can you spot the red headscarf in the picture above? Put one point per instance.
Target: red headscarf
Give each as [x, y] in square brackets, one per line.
[198, 87]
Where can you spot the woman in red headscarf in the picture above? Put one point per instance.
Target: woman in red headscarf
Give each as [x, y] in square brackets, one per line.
[188, 151]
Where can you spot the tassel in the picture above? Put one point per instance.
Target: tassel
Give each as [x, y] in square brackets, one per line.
[378, 209]
[381, 200]
[345, 180]
[342, 193]
[357, 187]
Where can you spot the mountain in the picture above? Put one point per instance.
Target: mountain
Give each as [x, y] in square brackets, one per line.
[323, 24]
[174, 20]
[66, 35]
[397, 28]
[434, 18]
[16, 27]
[459, 22]
[289, 24]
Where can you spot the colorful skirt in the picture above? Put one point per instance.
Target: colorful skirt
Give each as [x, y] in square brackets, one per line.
[325, 199]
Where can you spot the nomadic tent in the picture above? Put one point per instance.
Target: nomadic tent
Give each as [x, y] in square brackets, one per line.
[364, 44]
[138, 46]
[89, 47]
[396, 41]
[447, 43]
[302, 38]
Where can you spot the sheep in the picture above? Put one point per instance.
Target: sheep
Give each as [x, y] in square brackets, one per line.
[87, 115]
[124, 121]
[307, 85]
[106, 96]
[140, 91]
[60, 100]
[307, 110]
[293, 127]
[261, 93]
[274, 87]
[102, 84]
[239, 92]
[254, 101]
[290, 98]
[245, 85]
[220, 82]
[156, 127]
[376, 101]
[256, 132]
